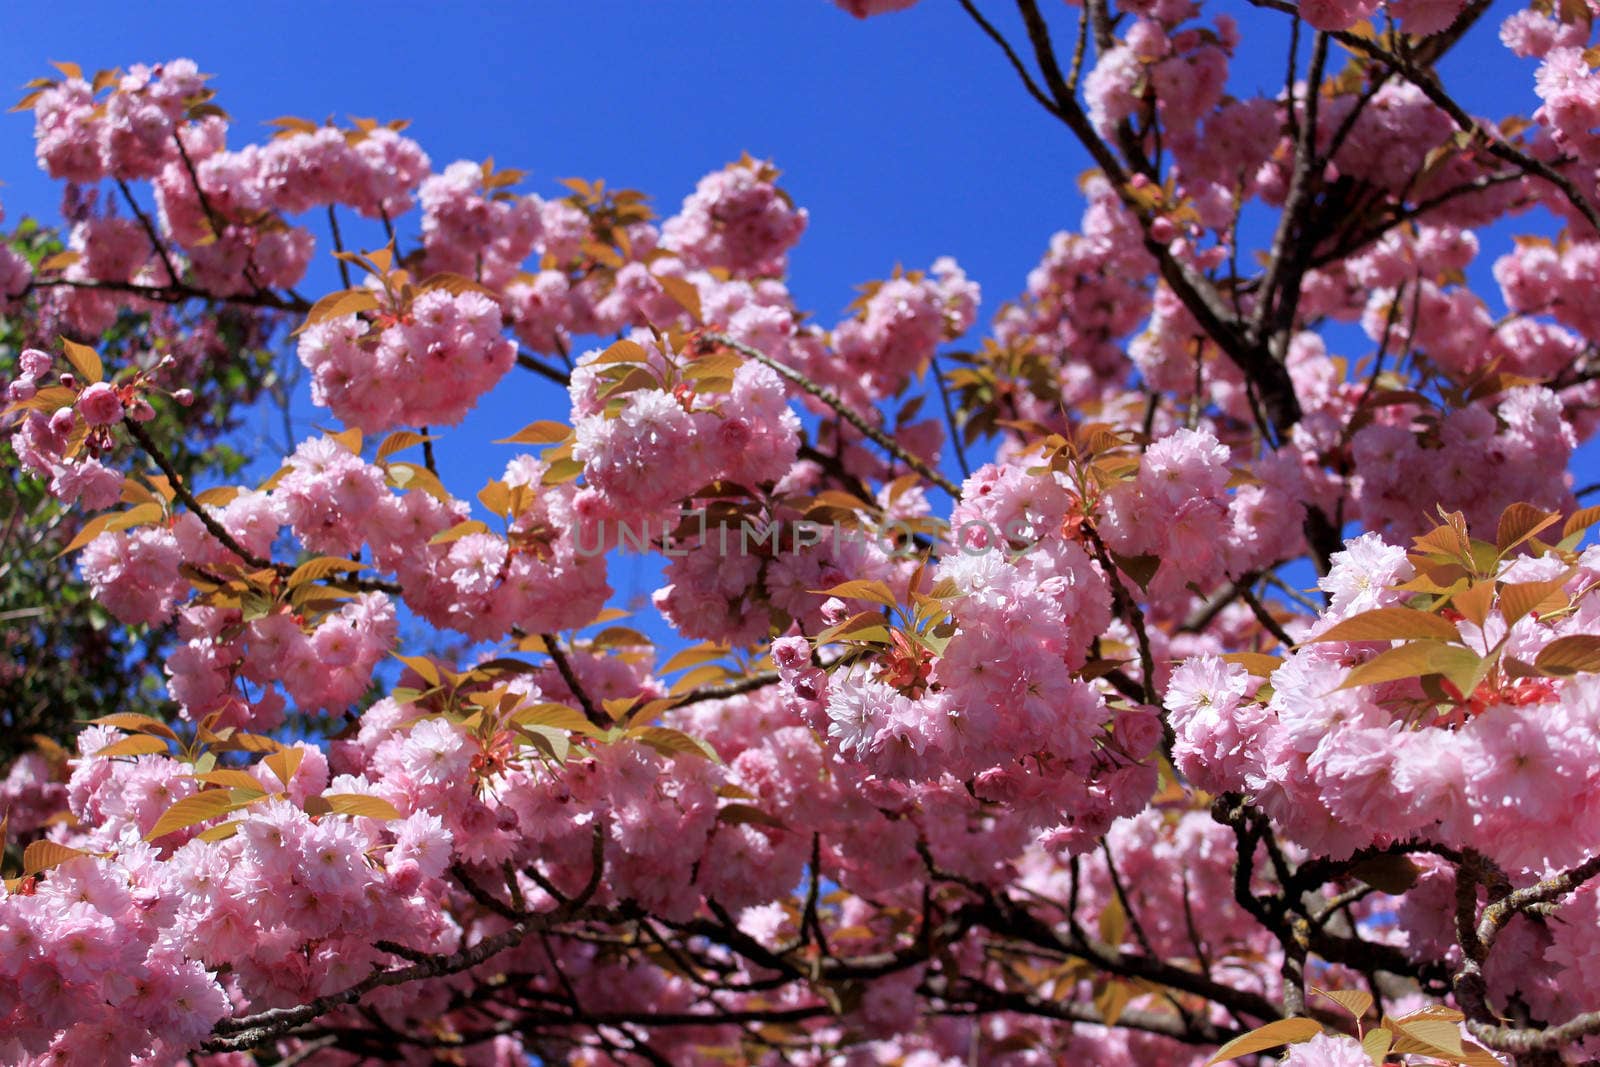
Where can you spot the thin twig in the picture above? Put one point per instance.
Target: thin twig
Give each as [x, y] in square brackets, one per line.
[159, 245]
[845, 412]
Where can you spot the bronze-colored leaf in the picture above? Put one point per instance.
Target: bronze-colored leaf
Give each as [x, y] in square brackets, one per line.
[361, 804]
[1519, 522]
[543, 432]
[200, 807]
[1575, 654]
[684, 294]
[43, 855]
[138, 745]
[84, 360]
[1273, 1034]
[1390, 624]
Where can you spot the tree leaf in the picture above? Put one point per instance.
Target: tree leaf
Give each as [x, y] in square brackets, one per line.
[1376, 1044]
[1113, 922]
[133, 723]
[1390, 624]
[219, 496]
[232, 779]
[623, 351]
[284, 763]
[84, 360]
[43, 855]
[555, 744]
[1519, 598]
[456, 284]
[1431, 1037]
[555, 716]
[200, 807]
[620, 637]
[685, 294]
[139, 745]
[1140, 568]
[239, 741]
[458, 531]
[400, 440]
[706, 674]
[691, 657]
[543, 432]
[1574, 654]
[1414, 660]
[1580, 520]
[424, 667]
[1282, 1032]
[1355, 1001]
[316, 570]
[335, 305]
[1258, 664]
[1474, 601]
[716, 365]
[410, 476]
[862, 589]
[138, 515]
[1520, 521]
[90, 530]
[361, 804]
[1112, 999]
[670, 742]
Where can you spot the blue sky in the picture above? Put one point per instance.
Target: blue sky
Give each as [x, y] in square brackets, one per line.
[907, 136]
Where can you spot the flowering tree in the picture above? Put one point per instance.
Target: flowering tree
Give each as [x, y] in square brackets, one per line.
[1053, 764]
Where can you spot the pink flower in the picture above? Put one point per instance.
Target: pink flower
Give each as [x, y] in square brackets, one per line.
[99, 404]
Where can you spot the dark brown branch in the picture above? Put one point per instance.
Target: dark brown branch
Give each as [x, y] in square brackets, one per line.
[553, 646]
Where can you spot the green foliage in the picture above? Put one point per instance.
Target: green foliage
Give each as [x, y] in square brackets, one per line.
[63, 658]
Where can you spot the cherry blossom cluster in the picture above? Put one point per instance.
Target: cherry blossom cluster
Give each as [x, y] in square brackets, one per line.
[425, 362]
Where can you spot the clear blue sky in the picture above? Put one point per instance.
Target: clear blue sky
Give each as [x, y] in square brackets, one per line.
[906, 136]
